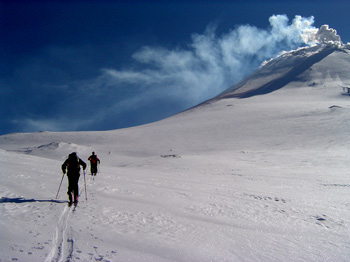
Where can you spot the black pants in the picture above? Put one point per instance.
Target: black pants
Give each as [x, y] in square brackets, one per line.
[93, 169]
[73, 188]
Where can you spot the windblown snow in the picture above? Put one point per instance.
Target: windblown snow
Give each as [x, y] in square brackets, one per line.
[259, 173]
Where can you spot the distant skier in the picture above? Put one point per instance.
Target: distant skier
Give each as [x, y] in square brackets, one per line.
[72, 165]
[93, 163]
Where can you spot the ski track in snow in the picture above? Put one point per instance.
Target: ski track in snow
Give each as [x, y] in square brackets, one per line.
[61, 250]
[63, 247]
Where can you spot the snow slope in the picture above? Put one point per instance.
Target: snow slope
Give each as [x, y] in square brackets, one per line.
[264, 178]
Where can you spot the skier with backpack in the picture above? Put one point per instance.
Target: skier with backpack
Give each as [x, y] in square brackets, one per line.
[93, 163]
[72, 165]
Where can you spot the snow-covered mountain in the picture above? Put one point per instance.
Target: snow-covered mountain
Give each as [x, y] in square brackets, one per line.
[258, 173]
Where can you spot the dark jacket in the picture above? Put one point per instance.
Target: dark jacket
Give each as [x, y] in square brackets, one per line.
[94, 160]
[72, 165]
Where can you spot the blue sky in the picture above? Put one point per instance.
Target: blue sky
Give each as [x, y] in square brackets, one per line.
[101, 65]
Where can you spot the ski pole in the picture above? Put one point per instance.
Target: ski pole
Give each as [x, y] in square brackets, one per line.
[59, 186]
[85, 186]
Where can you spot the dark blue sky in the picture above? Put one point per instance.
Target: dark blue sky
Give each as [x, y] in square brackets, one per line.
[100, 65]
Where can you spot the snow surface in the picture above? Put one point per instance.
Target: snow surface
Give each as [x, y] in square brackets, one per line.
[265, 178]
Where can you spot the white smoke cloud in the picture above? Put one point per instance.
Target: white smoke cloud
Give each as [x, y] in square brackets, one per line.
[212, 63]
[183, 77]
[327, 35]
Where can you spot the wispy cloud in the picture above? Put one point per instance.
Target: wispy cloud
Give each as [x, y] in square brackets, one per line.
[48, 124]
[167, 81]
[212, 62]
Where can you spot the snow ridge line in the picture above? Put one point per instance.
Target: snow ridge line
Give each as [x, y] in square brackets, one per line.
[59, 251]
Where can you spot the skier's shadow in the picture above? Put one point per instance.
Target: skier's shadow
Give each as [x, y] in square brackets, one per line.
[23, 200]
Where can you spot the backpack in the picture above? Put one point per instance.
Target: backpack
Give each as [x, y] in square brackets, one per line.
[73, 162]
[93, 159]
